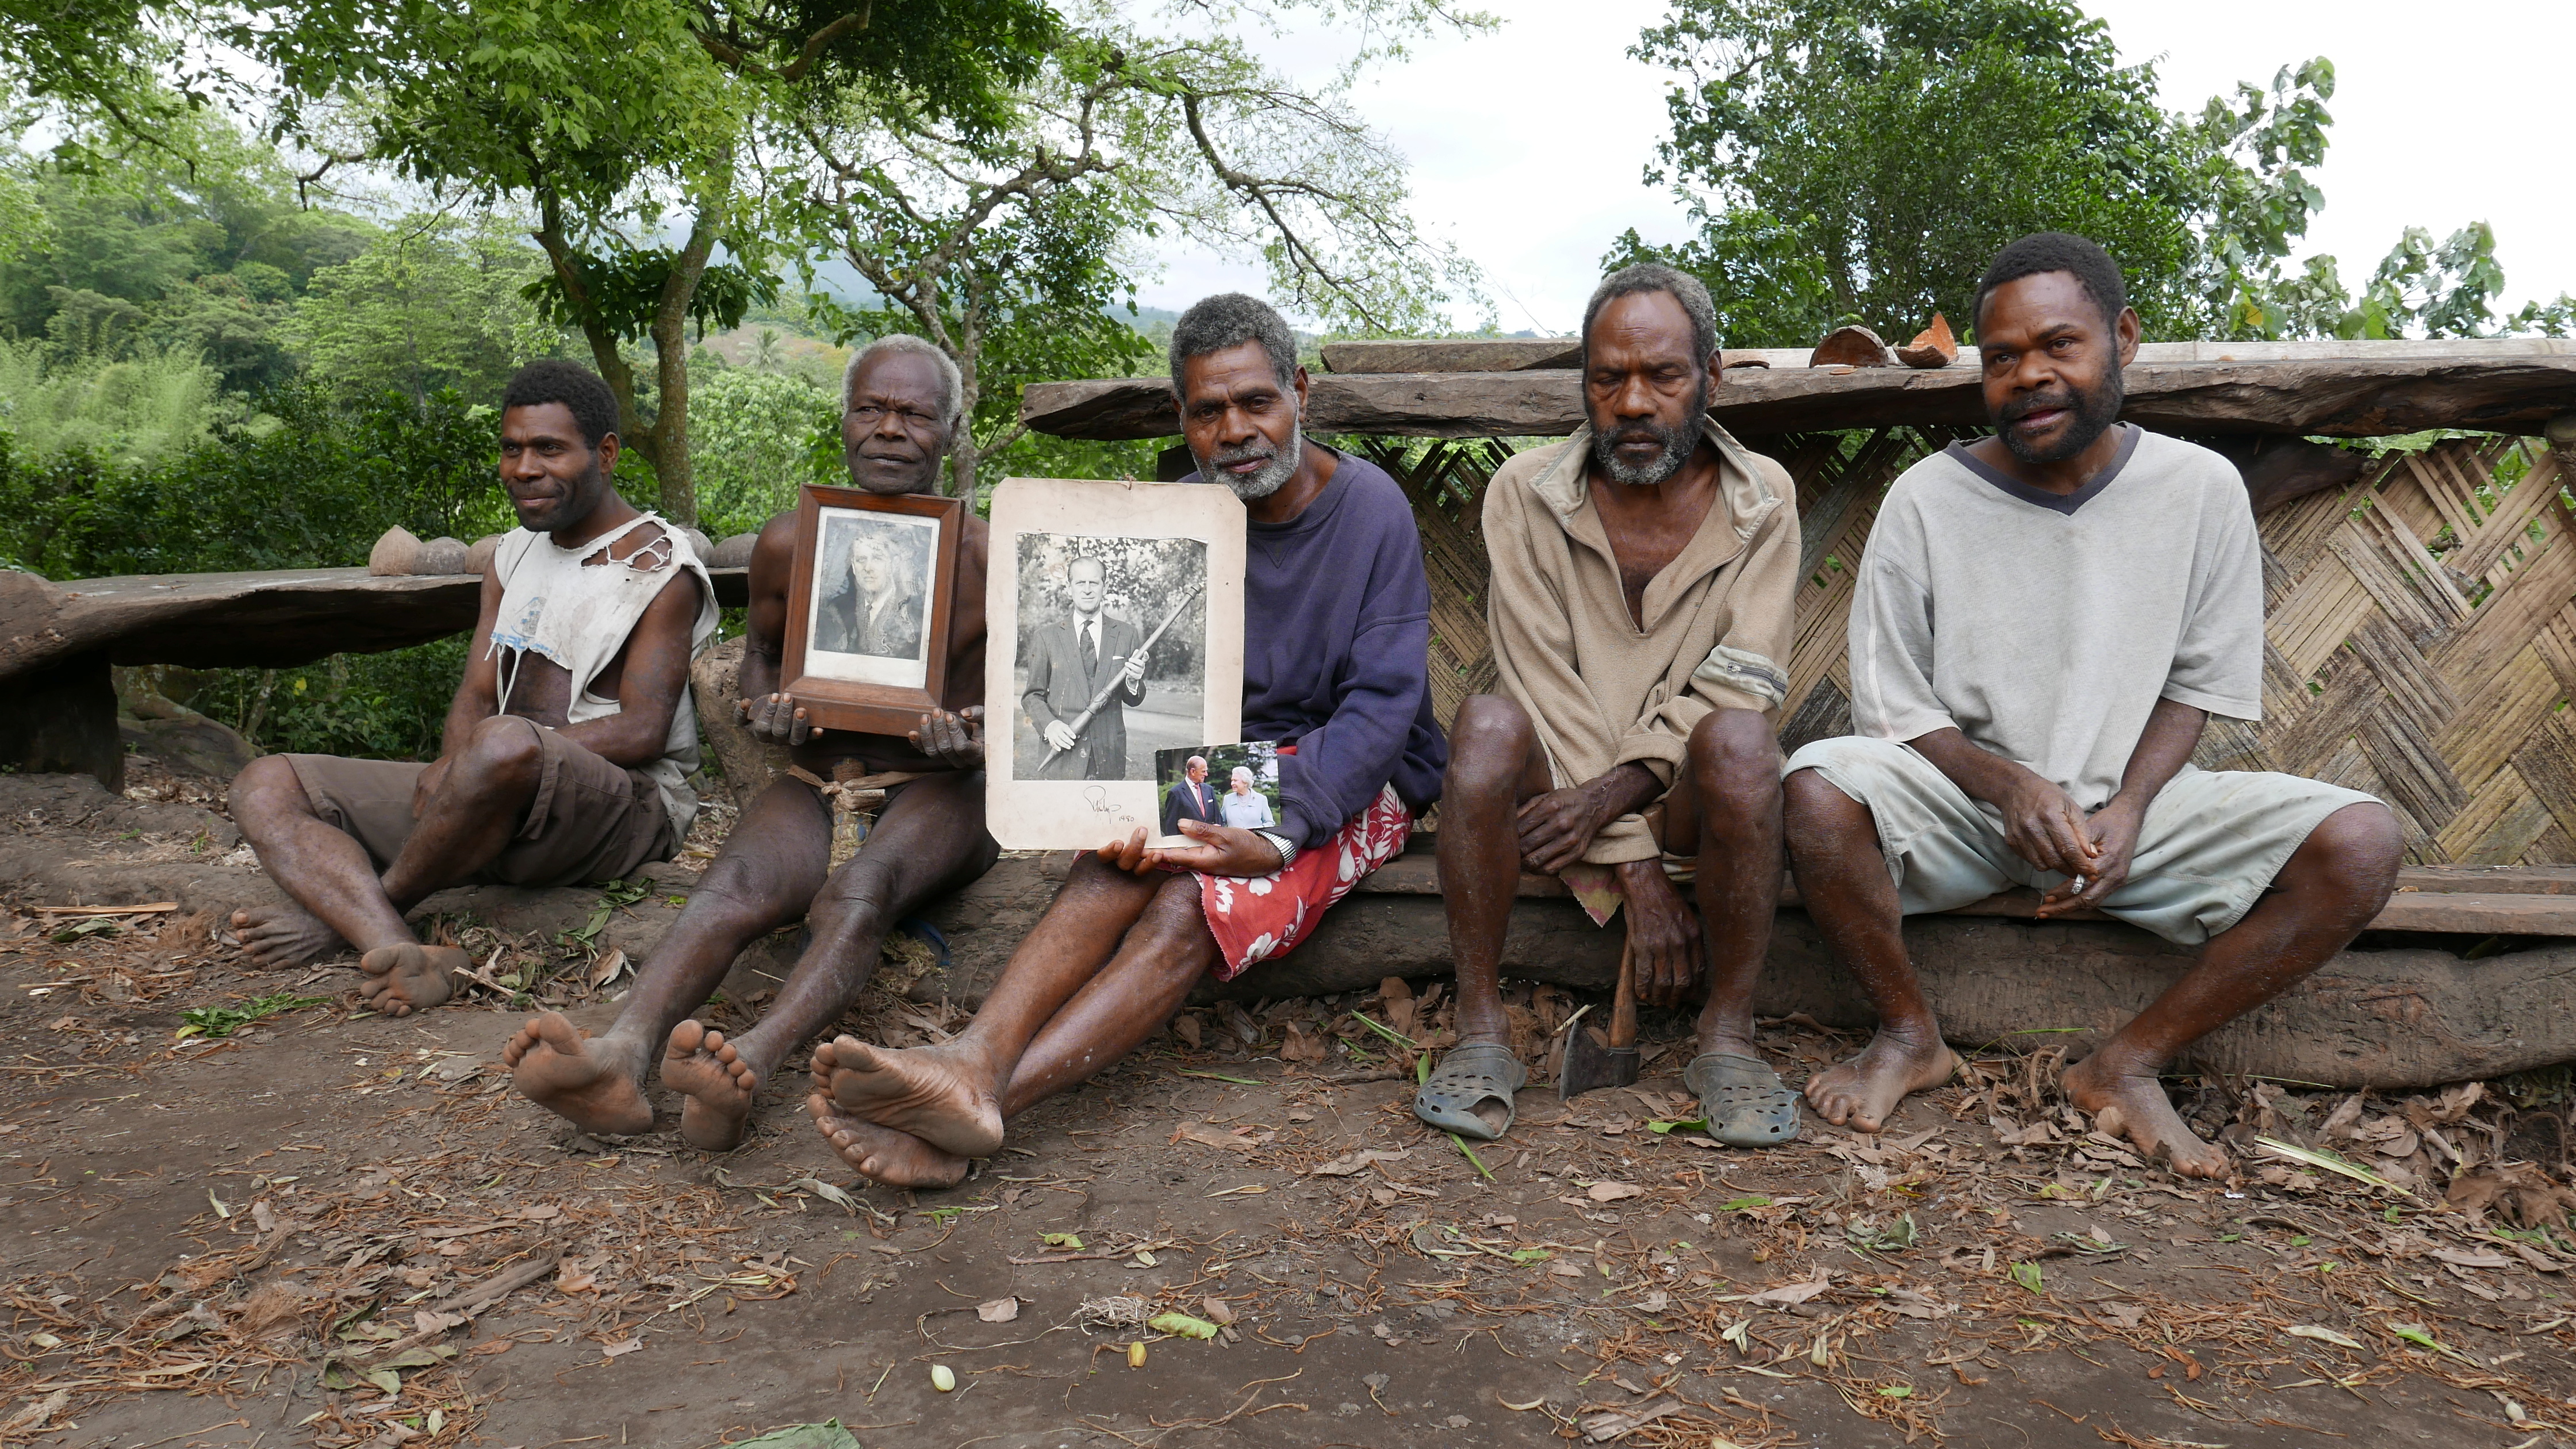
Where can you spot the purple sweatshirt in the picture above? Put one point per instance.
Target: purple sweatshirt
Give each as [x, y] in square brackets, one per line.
[1337, 652]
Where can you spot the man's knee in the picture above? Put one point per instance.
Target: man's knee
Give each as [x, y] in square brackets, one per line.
[1489, 742]
[1814, 808]
[506, 752]
[1732, 750]
[269, 782]
[2357, 851]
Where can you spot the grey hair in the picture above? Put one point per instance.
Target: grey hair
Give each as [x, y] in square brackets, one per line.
[1231, 319]
[1681, 286]
[907, 345]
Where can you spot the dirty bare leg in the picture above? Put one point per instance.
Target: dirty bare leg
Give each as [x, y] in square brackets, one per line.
[2331, 887]
[466, 825]
[769, 870]
[1842, 877]
[1732, 807]
[1131, 998]
[325, 873]
[930, 838]
[1495, 763]
[1105, 925]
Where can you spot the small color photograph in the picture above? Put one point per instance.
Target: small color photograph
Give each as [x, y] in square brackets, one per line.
[1235, 785]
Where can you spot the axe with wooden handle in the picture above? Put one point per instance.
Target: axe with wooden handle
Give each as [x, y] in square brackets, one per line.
[1593, 1060]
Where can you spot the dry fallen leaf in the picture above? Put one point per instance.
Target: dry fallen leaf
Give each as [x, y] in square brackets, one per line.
[1000, 1310]
[1613, 1191]
[1793, 1292]
[1216, 1310]
[625, 1346]
[1207, 1135]
[608, 968]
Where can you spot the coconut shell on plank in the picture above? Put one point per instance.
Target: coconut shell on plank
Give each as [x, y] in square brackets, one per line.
[1850, 347]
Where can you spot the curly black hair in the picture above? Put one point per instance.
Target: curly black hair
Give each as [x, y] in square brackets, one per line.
[2058, 251]
[553, 380]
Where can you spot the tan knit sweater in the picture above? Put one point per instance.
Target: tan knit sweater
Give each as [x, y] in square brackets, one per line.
[1600, 690]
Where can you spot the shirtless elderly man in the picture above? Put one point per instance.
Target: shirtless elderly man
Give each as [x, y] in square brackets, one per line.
[903, 402]
[2043, 622]
[1342, 675]
[569, 745]
[1641, 619]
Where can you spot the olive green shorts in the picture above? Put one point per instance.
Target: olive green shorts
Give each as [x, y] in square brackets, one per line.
[590, 820]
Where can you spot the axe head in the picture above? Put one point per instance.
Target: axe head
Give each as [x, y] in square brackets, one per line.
[1590, 1061]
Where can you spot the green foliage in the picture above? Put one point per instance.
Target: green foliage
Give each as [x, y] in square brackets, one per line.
[432, 304]
[389, 706]
[1861, 159]
[755, 437]
[313, 484]
[134, 411]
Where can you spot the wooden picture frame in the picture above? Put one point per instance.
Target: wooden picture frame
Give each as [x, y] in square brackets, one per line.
[1160, 567]
[873, 659]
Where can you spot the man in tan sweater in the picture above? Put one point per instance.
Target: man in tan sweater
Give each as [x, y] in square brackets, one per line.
[1641, 620]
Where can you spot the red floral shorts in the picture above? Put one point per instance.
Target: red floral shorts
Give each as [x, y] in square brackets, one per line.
[1259, 918]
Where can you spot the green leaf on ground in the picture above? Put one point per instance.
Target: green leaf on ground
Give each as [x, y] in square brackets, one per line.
[1390, 1033]
[1062, 1240]
[1737, 1205]
[1695, 1124]
[2028, 1276]
[221, 1021]
[1181, 1325]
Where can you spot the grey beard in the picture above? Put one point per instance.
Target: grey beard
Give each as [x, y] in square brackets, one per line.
[1273, 475]
[1677, 445]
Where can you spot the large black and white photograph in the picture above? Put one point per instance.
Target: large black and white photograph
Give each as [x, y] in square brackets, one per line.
[1114, 621]
[1112, 656]
[874, 575]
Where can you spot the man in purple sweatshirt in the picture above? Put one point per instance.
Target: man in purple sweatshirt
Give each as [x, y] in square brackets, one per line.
[1336, 669]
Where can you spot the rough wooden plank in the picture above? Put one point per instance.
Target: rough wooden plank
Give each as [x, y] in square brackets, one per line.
[1517, 354]
[271, 619]
[2343, 398]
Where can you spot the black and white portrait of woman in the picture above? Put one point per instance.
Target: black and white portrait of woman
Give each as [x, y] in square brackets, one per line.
[871, 595]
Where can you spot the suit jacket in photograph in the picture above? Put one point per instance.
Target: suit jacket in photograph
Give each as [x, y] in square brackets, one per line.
[1179, 806]
[1059, 688]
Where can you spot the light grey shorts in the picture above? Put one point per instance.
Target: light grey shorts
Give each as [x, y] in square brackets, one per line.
[2211, 844]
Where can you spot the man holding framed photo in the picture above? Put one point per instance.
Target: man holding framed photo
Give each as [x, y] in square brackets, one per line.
[1341, 681]
[903, 402]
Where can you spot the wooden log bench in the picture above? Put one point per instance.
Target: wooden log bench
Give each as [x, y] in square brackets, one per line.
[2414, 1003]
[57, 641]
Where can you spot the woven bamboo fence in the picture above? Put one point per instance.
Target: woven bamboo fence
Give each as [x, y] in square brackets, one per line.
[2422, 624]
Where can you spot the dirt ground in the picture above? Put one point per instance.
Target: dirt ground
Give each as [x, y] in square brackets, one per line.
[271, 1234]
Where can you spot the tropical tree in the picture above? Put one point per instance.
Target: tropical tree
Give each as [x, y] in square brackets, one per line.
[1009, 246]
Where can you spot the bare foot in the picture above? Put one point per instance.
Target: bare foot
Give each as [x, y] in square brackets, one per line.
[881, 1154]
[586, 1081]
[2135, 1107]
[1863, 1092]
[280, 936]
[702, 1066]
[924, 1091]
[410, 977]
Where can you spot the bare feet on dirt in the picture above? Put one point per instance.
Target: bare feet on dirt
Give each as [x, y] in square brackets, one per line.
[702, 1066]
[1862, 1093]
[281, 936]
[575, 1077]
[402, 979]
[2136, 1108]
[924, 1091]
[881, 1154]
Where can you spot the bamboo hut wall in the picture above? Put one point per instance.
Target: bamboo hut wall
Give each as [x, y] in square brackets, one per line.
[2421, 625]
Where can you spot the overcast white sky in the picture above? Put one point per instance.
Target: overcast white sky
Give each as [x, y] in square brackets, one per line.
[1527, 146]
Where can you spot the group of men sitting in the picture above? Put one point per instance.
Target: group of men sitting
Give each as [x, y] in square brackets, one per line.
[2042, 623]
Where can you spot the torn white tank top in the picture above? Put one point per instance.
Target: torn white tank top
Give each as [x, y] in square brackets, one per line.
[579, 615]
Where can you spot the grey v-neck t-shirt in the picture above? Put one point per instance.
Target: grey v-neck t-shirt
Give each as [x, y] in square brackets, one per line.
[2046, 628]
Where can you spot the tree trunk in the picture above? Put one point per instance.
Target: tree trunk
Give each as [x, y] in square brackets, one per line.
[669, 439]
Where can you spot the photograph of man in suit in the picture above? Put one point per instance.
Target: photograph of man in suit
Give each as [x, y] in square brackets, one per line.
[877, 609]
[1069, 666]
[1190, 798]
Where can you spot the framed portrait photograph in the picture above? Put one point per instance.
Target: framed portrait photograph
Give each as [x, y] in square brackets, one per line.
[1114, 614]
[868, 606]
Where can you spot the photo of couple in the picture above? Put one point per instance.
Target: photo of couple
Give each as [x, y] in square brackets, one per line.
[1236, 785]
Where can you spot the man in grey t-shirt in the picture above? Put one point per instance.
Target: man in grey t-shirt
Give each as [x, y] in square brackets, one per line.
[2043, 622]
